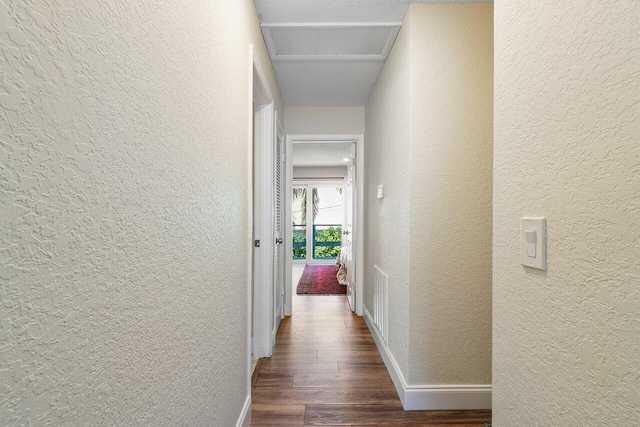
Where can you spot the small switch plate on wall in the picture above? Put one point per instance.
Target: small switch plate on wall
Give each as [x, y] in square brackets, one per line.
[533, 242]
[380, 191]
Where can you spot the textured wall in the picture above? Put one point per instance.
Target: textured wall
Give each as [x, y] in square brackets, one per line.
[567, 147]
[324, 120]
[386, 220]
[429, 141]
[450, 193]
[123, 147]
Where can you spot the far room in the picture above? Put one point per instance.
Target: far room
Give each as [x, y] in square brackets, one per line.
[322, 217]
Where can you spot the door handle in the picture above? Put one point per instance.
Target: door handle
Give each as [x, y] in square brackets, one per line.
[346, 233]
[279, 241]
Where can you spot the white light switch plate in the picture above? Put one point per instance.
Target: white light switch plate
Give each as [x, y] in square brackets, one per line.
[380, 191]
[535, 228]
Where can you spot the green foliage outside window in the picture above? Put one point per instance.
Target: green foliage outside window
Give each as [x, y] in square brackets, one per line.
[331, 234]
[300, 236]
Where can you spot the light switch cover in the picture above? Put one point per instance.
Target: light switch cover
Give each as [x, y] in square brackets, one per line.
[533, 242]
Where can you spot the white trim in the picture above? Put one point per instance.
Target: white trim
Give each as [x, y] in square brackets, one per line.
[448, 397]
[429, 397]
[264, 226]
[274, 334]
[288, 247]
[389, 361]
[245, 416]
[310, 221]
[359, 234]
[394, 28]
[250, 216]
[262, 116]
[358, 227]
[277, 302]
[328, 182]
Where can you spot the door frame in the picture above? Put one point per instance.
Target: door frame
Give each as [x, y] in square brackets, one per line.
[260, 213]
[359, 214]
[278, 131]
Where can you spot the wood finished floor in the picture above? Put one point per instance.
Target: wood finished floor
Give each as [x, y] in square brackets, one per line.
[326, 370]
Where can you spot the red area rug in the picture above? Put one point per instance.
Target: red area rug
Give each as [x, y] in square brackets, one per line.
[320, 280]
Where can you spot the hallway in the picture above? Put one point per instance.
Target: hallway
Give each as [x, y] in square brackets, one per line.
[326, 370]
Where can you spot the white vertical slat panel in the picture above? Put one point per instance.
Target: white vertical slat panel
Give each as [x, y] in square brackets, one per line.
[380, 301]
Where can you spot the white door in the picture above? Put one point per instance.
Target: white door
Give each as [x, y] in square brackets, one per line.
[278, 258]
[347, 233]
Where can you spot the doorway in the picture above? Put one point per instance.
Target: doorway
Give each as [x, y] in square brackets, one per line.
[322, 211]
[265, 212]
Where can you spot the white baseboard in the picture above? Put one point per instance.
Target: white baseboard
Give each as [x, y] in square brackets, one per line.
[448, 397]
[245, 415]
[429, 397]
[387, 357]
[274, 334]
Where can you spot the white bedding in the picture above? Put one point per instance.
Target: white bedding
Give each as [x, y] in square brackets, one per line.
[341, 265]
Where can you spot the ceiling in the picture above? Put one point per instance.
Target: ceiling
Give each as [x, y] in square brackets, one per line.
[296, 11]
[321, 153]
[330, 52]
[326, 84]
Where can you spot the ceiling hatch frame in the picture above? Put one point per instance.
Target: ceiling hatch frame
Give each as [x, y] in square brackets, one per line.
[392, 30]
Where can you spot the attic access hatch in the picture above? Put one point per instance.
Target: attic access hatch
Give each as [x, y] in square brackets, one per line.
[332, 42]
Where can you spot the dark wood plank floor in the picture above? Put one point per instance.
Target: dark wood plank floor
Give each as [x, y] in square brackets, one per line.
[326, 370]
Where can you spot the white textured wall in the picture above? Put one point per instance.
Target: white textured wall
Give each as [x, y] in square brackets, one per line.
[386, 221]
[567, 147]
[324, 120]
[123, 148]
[450, 193]
[429, 141]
